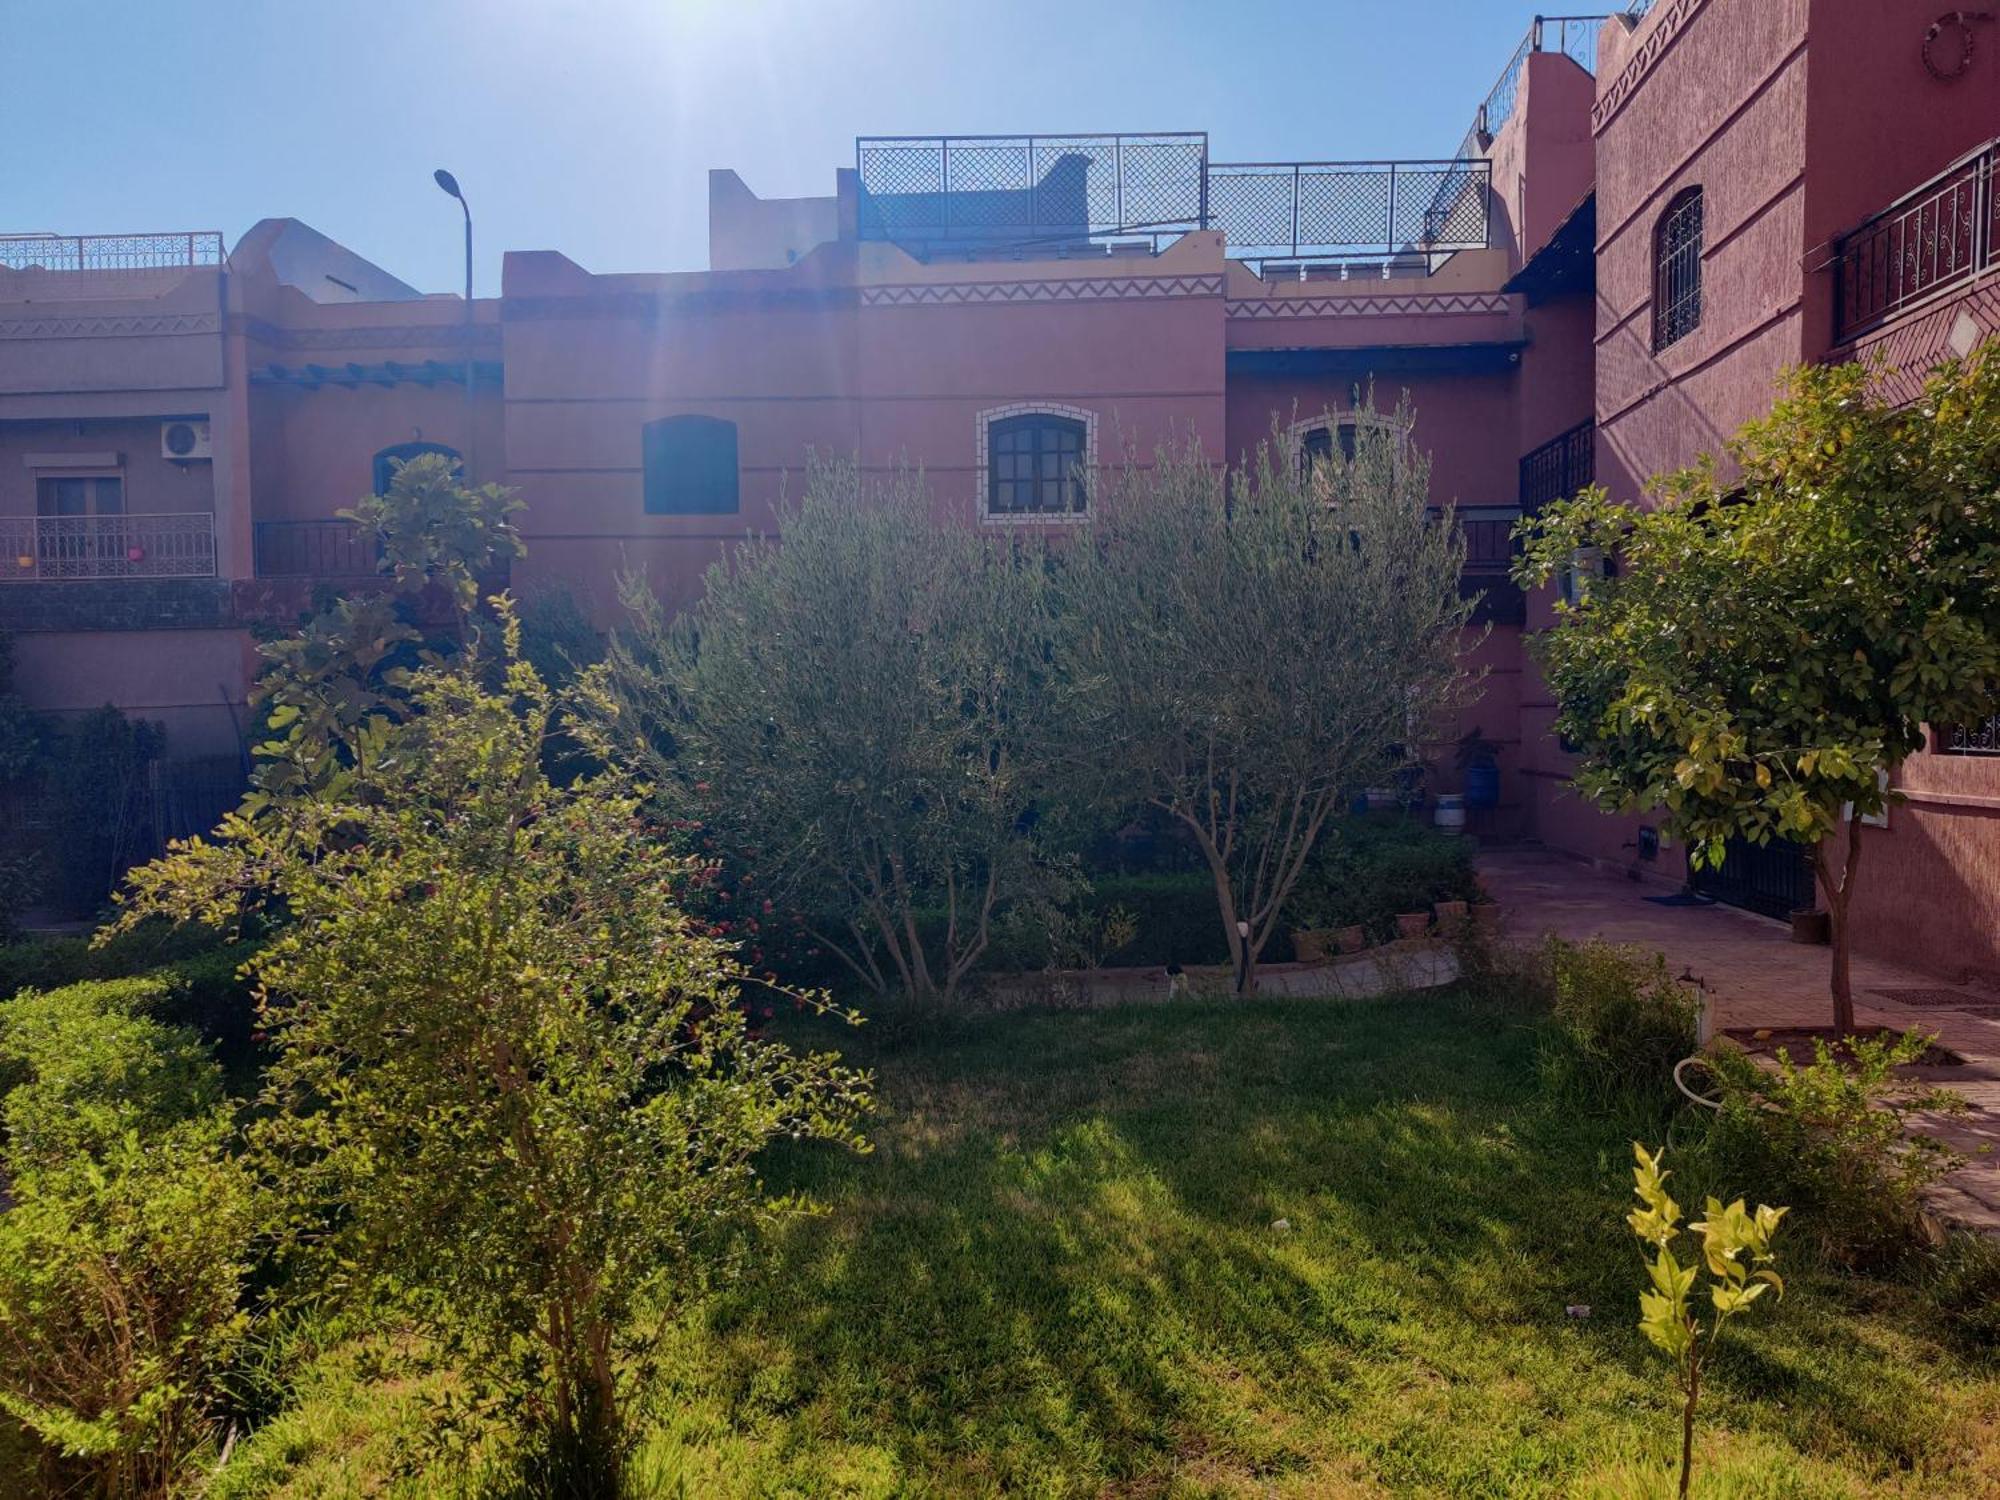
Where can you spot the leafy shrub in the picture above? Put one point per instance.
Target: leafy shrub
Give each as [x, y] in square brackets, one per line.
[1618, 1022]
[196, 969]
[86, 1067]
[1833, 1136]
[513, 1093]
[121, 1283]
[1370, 869]
[124, 1256]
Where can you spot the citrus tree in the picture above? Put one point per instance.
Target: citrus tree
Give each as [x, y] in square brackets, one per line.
[1766, 652]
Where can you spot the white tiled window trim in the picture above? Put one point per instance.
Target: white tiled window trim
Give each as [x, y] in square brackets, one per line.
[984, 422]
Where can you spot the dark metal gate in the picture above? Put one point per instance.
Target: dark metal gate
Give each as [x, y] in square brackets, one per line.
[1775, 879]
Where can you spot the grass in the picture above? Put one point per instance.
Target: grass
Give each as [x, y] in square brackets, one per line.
[1062, 1272]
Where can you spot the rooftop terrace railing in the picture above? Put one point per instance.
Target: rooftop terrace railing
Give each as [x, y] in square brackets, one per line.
[1299, 211]
[110, 252]
[1928, 242]
[945, 195]
[1575, 37]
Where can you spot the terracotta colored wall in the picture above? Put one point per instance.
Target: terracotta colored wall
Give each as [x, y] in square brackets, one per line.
[1714, 94]
[153, 485]
[188, 680]
[892, 366]
[1466, 423]
[1881, 124]
[312, 451]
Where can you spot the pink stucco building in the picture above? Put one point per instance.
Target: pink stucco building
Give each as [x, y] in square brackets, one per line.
[1652, 215]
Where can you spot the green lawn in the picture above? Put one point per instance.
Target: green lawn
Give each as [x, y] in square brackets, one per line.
[1059, 1274]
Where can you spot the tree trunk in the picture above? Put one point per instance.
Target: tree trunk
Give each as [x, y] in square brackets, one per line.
[1839, 896]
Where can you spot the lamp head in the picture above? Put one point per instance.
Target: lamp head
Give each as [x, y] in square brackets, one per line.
[448, 182]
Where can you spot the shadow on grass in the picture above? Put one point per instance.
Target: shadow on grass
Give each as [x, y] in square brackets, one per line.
[1227, 1244]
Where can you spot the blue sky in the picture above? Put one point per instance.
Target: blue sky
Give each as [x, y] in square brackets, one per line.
[590, 128]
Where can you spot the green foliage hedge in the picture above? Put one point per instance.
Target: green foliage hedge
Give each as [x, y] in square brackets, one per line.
[1369, 869]
[127, 1249]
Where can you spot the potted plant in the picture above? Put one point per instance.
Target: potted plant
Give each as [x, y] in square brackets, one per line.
[1351, 939]
[1479, 768]
[1412, 924]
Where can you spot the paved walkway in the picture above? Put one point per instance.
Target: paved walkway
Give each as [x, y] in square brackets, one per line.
[1755, 975]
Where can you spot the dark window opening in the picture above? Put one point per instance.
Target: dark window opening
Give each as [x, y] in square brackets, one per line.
[1034, 466]
[1677, 270]
[691, 467]
[393, 458]
[69, 496]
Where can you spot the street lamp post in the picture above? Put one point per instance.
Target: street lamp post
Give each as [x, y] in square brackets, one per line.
[449, 183]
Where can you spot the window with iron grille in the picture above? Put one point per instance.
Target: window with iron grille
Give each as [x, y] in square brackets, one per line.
[1677, 270]
[1034, 466]
[1978, 739]
[691, 467]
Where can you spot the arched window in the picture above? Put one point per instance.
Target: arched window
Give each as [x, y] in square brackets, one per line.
[691, 467]
[389, 460]
[1035, 463]
[1677, 269]
[1319, 439]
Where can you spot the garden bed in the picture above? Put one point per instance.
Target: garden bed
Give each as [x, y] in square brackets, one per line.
[1799, 1043]
[1407, 965]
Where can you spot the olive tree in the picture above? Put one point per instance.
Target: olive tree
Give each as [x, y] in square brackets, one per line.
[1766, 652]
[857, 710]
[1248, 648]
[514, 1096]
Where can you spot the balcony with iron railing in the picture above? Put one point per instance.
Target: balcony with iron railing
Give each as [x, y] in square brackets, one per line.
[980, 197]
[1559, 468]
[1923, 247]
[76, 548]
[314, 549]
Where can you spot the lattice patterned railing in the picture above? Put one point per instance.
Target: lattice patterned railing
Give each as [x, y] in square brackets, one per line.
[1306, 210]
[110, 252]
[84, 547]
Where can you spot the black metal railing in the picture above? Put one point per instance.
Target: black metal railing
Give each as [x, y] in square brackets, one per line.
[1489, 536]
[1300, 211]
[945, 195]
[1775, 878]
[1560, 467]
[313, 549]
[110, 252]
[1926, 242]
[1575, 37]
[1975, 739]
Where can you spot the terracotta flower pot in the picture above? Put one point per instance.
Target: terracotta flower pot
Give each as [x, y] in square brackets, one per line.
[1486, 914]
[1309, 944]
[1450, 914]
[1412, 924]
[1351, 939]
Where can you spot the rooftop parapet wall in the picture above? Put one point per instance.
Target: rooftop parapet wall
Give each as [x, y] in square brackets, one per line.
[103, 331]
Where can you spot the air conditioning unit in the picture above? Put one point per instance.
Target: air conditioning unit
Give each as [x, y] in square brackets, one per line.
[184, 442]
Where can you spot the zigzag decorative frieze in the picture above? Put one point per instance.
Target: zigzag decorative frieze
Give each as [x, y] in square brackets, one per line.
[1429, 304]
[419, 336]
[129, 326]
[1668, 25]
[975, 293]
